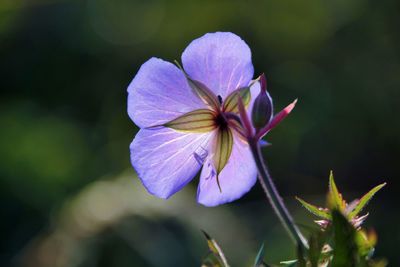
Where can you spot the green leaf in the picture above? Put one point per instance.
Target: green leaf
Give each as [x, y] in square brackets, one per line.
[259, 262]
[379, 263]
[211, 261]
[335, 199]
[345, 251]
[364, 201]
[316, 243]
[320, 212]
[301, 261]
[365, 242]
[217, 257]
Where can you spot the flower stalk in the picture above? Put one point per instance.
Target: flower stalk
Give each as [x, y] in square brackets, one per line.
[253, 138]
[273, 196]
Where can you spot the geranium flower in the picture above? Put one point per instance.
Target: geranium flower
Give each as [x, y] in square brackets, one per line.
[189, 120]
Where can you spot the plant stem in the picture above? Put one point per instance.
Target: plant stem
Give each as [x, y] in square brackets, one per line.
[274, 198]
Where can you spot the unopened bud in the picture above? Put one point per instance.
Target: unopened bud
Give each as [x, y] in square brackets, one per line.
[262, 108]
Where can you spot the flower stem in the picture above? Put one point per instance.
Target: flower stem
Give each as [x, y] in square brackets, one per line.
[274, 198]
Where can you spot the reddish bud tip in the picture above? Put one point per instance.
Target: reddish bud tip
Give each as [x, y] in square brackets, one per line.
[263, 82]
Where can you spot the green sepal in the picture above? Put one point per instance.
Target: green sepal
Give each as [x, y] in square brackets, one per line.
[196, 121]
[201, 90]
[231, 103]
[223, 150]
[205, 94]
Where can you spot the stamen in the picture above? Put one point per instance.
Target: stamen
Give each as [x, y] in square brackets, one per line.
[220, 99]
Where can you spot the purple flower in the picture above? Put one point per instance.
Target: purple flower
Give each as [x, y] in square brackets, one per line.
[189, 120]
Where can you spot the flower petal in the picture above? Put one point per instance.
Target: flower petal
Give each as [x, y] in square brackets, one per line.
[204, 93]
[255, 90]
[160, 93]
[166, 160]
[237, 178]
[221, 60]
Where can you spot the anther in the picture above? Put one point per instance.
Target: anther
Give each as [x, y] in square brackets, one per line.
[220, 99]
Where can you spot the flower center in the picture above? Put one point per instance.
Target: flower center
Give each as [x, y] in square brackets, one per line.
[221, 121]
[220, 115]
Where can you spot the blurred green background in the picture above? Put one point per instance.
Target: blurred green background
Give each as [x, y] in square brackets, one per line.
[68, 194]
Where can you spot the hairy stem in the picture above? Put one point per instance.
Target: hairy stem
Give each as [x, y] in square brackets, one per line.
[274, 198]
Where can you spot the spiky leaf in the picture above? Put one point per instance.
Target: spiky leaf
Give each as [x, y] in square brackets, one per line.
[364, 201]
[335, 199]
[211, 261]
[320, 212]
[259, 262]
[216, 257]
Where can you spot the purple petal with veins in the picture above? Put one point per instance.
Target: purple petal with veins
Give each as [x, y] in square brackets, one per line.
[236, 179]
[221, 60]
[166, 160]
[159, 93]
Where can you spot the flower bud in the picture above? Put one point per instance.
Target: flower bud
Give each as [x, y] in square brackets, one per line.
[262, 108]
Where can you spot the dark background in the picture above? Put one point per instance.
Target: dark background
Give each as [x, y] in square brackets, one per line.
[68, 194]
